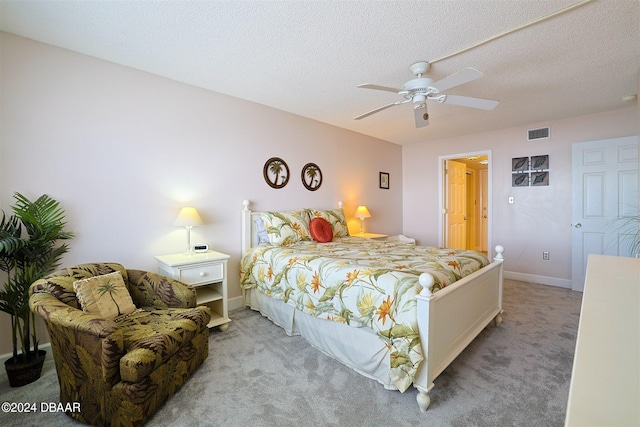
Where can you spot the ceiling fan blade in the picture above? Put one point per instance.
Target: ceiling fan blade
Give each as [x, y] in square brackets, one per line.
[384, 107]
[378, 87]
[468, 101]
[456, 79]
[422, 116]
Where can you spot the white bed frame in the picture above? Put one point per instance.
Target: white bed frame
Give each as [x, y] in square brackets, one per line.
[448, 320]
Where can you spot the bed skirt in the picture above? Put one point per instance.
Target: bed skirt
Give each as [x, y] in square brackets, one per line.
[358, 348]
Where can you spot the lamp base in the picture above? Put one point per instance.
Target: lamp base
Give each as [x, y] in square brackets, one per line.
[189, 250]
[362, 226]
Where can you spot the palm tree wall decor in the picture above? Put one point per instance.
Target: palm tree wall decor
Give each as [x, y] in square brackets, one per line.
[311, 176]
[276, 172]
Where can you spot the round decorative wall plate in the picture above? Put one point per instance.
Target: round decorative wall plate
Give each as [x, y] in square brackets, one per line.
[311, 176]
[276, 172]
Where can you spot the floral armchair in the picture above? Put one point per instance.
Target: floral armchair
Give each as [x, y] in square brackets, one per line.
[121, 370]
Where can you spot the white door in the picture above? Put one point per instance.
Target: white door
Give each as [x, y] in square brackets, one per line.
[605, 191]
[484, 210]
[472, 206]
[456, 205]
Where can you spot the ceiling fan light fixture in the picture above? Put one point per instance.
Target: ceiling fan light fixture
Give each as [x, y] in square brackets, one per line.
[419, 101]
[420, 89]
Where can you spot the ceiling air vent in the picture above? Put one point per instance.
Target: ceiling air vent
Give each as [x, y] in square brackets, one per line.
[540, 133]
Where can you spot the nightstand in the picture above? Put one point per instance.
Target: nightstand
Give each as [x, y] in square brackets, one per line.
[207, 272]
[401, 238]
[372, 236]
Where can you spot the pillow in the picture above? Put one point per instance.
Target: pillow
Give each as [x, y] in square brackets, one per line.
[262, 235]
[335, 218]
[285, 228]
[320, 230]
[106, 296]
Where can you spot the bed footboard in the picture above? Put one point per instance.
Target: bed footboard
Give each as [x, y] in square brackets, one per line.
[448, 320]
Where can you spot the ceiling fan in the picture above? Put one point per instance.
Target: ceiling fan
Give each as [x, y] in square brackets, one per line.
[420, 89]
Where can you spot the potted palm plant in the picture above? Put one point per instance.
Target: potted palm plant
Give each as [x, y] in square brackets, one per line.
[627, 230]
[29, 249]
[633, 228]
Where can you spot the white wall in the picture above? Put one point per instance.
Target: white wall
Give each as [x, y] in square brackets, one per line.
[540, 218]
[124, 150]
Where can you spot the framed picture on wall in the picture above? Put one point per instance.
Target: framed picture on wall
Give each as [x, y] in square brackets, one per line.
[311, 176]
[384, 180]
[276, 172]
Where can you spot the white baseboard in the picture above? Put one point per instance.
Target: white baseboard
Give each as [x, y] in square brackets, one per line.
[534, 278]
[234, 303]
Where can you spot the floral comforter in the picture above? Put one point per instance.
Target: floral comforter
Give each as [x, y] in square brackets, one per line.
[362, 283]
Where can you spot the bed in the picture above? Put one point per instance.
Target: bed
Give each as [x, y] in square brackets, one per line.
[390, 310]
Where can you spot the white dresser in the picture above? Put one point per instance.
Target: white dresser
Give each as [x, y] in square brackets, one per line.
[605, 382]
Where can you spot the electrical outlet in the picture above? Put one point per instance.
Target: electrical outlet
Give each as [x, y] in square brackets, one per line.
[545, 255]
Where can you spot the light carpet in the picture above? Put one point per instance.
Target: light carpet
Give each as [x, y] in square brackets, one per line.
[516, 374]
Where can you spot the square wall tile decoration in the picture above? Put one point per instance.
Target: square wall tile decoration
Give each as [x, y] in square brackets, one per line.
[530, 171]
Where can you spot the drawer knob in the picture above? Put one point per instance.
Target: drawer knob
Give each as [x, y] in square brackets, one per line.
[203, 273]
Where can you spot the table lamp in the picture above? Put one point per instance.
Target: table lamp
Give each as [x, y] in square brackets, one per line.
[188, 217]
[362, 212]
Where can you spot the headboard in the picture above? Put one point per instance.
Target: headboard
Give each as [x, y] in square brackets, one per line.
[249, 234]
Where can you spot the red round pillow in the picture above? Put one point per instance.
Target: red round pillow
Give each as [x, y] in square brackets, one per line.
[320, 230]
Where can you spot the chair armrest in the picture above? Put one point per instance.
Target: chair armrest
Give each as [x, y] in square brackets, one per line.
[80, 338]
[155, 290]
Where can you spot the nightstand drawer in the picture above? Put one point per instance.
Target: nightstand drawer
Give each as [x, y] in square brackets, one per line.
[202, 274]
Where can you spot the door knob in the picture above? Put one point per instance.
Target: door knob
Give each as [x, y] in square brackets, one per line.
[578, 225]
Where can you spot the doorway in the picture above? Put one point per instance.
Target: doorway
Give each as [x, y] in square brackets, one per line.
[465, 201]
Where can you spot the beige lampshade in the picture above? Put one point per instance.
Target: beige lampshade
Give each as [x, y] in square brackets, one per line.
[362, 212]
[187, 217]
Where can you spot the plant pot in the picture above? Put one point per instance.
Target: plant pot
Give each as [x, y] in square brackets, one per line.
[22, 373]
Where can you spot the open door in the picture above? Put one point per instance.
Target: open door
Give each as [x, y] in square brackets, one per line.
[456, 208]
[484, 210]
[472, 211]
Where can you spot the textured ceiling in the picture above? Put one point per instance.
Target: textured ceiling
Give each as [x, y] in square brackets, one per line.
[307, 57]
